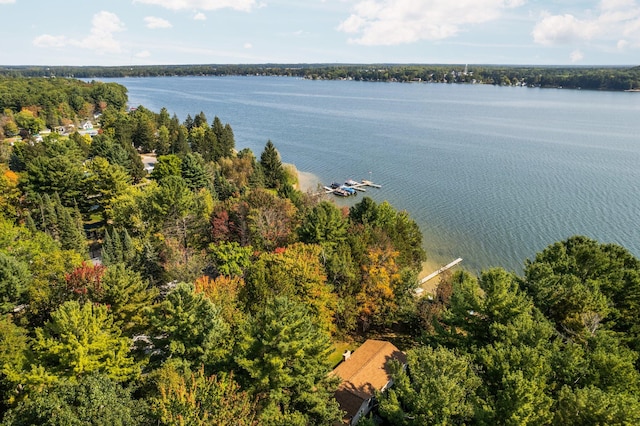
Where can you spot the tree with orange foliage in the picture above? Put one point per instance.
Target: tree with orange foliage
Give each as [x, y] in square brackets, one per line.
[376, 299]
[223, 292]
[296, 273]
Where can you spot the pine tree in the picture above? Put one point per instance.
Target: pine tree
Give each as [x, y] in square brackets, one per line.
[116, 254]
[82, 339]
[272, 166]
[127, 295]
[129, 256]
[193, 172]
[284, 357]
[71, 231]
[29, 223]
[108, 257]
[187, 326]
[50, 217]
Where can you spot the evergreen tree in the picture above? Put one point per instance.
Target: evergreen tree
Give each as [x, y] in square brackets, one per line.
[274, 174]
[200, 120]
[80, 340]
[29, 222]
[193, 172]
[116, 242]
[71, 229]
[284, 357]
[50, 217]
[324, 225]
[14, 282]
[108, 255]
[163, 145]
[127, 295]
[187, 326]
[129, 255]
[188, 123]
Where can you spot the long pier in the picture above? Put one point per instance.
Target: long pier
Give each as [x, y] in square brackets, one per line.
[441, 270]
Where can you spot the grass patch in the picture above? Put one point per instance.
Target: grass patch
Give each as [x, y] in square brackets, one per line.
[338, 349]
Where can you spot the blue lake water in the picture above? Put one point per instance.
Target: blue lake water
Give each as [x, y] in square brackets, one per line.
[491, 174]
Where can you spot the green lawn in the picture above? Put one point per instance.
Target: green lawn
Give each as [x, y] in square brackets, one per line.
[338, 349]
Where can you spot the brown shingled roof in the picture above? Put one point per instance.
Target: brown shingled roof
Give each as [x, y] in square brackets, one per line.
[364, 373]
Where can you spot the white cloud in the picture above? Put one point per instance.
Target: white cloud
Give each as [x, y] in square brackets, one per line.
[576, 56]
[47, 40]
[560, 29]
[614, 21]
[155, 22]
[391, 22]
[7, 1]
[143, 54]
[248, 46]
[242, 5]
[622, 44]
[200, 17]
[100, 38]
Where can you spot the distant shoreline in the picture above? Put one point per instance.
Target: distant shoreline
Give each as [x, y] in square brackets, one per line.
[605, 78]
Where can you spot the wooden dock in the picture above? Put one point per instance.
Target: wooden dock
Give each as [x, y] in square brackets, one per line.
[358, 186]
[441, 270]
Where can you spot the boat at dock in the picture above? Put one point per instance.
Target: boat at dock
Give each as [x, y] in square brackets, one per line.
[350, 187]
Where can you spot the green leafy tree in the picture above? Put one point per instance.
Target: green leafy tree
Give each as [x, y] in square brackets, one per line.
[197, 399]
[593, 406]
[296, 273]
[229, 258]
[440, 390]
[284, 358]
[582, 285]
[167, 165]
[104, 182]
[26, 119]
[83, 339]
[95, 400]
[14, 358]
[324, 225]
[163, 142]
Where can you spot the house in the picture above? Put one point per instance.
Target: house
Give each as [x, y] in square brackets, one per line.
[364, 372]
[87, 125]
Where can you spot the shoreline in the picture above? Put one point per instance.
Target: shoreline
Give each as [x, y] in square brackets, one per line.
[308, 182]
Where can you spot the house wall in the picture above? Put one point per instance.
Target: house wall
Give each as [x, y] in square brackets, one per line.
[362, 411]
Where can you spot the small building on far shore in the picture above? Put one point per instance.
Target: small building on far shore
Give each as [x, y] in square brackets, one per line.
[364, 372]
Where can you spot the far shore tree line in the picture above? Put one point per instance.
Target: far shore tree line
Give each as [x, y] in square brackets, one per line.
[616, 78]
[222, 292]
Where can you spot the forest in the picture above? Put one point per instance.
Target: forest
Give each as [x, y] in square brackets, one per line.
[211, 290]
[615, 78]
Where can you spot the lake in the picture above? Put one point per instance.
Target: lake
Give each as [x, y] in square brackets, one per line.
[491, 174]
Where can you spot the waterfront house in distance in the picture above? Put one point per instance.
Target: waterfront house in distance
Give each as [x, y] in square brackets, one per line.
[364, 372]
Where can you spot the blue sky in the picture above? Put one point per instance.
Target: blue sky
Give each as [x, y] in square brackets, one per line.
[141, 32]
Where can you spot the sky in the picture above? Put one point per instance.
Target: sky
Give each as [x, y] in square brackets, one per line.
[158, 32]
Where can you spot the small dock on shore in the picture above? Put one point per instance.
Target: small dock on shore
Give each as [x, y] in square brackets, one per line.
[441, 270]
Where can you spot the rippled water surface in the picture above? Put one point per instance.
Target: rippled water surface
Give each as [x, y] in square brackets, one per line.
[492, 175]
